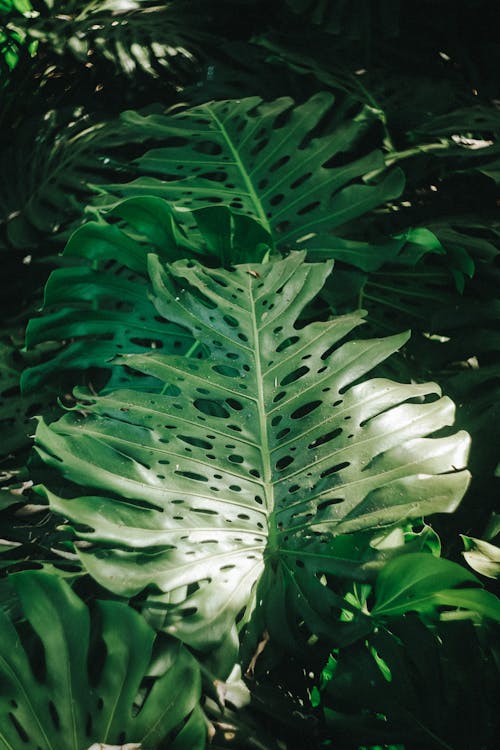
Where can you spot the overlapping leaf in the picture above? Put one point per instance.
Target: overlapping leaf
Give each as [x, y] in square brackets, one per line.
[78, 684]
[406, 685]
[264, 160]
[249, 464]
[98, 310]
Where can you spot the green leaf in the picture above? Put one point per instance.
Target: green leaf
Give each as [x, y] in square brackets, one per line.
[64, 705]
[420, 582]
[249, 464]
[98, 310]
[136, 41]
[427, 702]
[263, 160]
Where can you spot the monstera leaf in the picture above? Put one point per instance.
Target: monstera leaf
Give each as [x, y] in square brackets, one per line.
[100, 307]
[136, 37]
[68, 680]
[264, 160]
[258, 472]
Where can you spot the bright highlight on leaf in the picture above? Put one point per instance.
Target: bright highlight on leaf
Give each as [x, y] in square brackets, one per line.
[260, 473]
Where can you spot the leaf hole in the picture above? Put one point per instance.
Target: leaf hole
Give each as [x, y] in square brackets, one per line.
[328, 503]
[307, 209]
[334, 469]
[19, 729]
[287, 342]
[54, 715]
[325, 438]
[196, 442]
[276, 199]
[191, 475]
[283, 462]
[304, 411]
[295, 375]
[300, 181]
[211, 408]
[283, 433]
[234, 404]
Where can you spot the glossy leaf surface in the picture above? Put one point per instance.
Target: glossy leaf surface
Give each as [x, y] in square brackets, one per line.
[421, 583]
[251, 464]
[263, 160]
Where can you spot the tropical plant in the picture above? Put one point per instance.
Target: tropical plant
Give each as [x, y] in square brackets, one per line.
[69, 678]
[315, 539]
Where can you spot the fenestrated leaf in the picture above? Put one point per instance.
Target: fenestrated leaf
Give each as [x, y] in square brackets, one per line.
[102, 309]
[262, 159]
[64, 705]
[251, 463]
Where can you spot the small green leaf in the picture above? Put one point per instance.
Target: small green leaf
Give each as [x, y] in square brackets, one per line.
[420, 582]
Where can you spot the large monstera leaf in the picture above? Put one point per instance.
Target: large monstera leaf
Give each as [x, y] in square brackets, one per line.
[259, 473]
[81, 680]
[263, 160]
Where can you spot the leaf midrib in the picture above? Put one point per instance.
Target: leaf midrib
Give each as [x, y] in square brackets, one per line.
[259, 210]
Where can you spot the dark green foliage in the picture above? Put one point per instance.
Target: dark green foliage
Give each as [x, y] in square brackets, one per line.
[69, 678]
[224, 457]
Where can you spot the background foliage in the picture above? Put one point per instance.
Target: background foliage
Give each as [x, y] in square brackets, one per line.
[179, 140]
